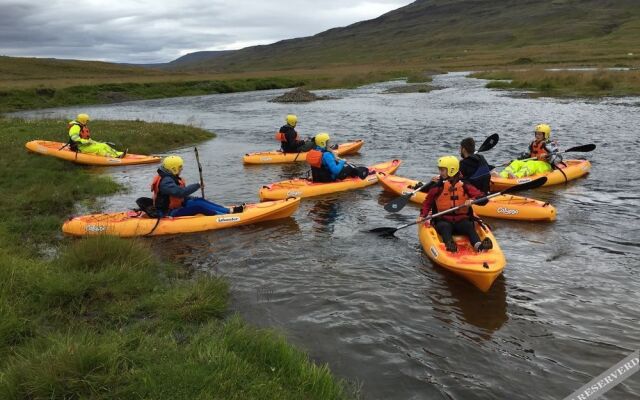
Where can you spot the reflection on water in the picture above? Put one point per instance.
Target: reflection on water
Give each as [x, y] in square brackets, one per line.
[377, 310]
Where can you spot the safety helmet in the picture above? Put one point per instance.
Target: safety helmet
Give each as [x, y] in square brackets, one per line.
[82, 118]
[451, 163]
[544, 128]
[291, 120]
[321, 139]
[173, 164]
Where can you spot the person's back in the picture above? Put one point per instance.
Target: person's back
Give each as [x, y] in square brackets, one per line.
[474, 167]
[288, 137]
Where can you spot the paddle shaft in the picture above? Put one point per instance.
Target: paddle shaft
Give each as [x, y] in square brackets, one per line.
[195, 149]
[585, 148]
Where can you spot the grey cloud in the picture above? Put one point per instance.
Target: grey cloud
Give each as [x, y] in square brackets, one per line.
[159, 31]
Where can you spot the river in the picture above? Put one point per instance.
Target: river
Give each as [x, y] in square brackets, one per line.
[377, 310]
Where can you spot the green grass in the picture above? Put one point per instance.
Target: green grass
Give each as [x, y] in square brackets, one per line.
[598, 83]
[103, 317]
[45, 96]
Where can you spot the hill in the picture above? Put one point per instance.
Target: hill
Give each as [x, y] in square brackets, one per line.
[458, 33]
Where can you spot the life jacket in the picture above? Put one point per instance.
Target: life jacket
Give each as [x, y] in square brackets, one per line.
[318, 173]
[84, 134]
[538, 150]
[282, 136]
[451, 196]
[163, 202]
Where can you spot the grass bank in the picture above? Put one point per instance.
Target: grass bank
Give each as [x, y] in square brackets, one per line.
[46, 95]
[597, 83]
[102, 317]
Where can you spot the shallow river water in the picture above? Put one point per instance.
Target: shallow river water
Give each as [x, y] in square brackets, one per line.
[377, 310]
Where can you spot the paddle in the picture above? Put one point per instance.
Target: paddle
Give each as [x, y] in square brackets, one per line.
[513, 189]
[585, 148]
[398, 203]
[199, 171]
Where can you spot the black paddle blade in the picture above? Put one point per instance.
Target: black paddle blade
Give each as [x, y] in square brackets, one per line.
[526, 185]
[582, 149]
[384, 231]
[489, 142]
[398, 203]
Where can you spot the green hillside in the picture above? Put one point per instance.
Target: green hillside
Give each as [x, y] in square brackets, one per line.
[458, 33]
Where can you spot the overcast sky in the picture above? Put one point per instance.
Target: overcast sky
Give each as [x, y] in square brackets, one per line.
[150, 31]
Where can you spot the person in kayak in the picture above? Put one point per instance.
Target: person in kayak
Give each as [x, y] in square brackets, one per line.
[80, 140]
[326, 167]
[451, 191]
[542, 156]
[289, 139]
[474, 167]
[171, 195]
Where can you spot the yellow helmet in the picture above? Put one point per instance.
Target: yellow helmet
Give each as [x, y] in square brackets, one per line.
[321, 139]
[544, 128]
[173, 164]
[291, 120]
[82, 118]
[451, 163]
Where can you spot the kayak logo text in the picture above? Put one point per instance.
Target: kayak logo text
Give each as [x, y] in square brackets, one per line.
[434, 251]
[506, 211]
[228, 219]
[95, 228]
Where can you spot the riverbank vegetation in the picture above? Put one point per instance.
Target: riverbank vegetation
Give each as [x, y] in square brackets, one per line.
[563, 83]
[103, 317]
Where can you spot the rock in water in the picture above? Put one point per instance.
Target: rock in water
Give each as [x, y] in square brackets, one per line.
[298, 95]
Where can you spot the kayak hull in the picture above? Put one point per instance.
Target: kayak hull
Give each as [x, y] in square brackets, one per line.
[130, 224]
[54, 149]
[306, 188]
[504, 207]
[574, 169]
[278, 157]
[481, 269]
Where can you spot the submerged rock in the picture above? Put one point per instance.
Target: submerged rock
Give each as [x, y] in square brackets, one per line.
[411, 88]
[299, 95]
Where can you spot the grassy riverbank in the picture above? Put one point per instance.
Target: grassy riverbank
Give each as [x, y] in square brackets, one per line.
[597, 83]
[103, 318]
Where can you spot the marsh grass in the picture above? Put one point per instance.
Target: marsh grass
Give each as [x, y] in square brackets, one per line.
[106, 319]
[597, 83]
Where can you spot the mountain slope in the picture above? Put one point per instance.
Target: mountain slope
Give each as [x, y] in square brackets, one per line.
[441, 31]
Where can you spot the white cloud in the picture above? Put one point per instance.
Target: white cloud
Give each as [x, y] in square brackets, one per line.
[148, 31]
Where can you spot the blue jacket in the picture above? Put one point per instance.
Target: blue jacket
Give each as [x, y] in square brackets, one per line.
[330, 163]
[169, 187]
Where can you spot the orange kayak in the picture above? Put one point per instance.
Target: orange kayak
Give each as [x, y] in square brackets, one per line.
[574, 169]
[307, 188]
[481, 268]
[55, 149]
[503, 207]
[133, 223]
[275, 157]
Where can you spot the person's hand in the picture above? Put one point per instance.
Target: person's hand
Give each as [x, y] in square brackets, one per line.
[202, 185]
[435, 178]
[468, 202]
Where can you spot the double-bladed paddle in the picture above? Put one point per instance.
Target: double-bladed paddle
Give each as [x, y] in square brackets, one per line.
[585, 148]
[398, 203]
[387, 231]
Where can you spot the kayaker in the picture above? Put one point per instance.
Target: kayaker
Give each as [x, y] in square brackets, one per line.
[80, 140]
[541, 157]
[326, 167]
[289, 139]
[451, 191]
[474, 167]
[171, 196]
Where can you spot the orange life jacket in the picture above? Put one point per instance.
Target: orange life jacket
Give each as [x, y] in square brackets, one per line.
[84, 130]
[314, 158]
[281, 137]
[452, 196]
[174, 202]
[538, 150]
